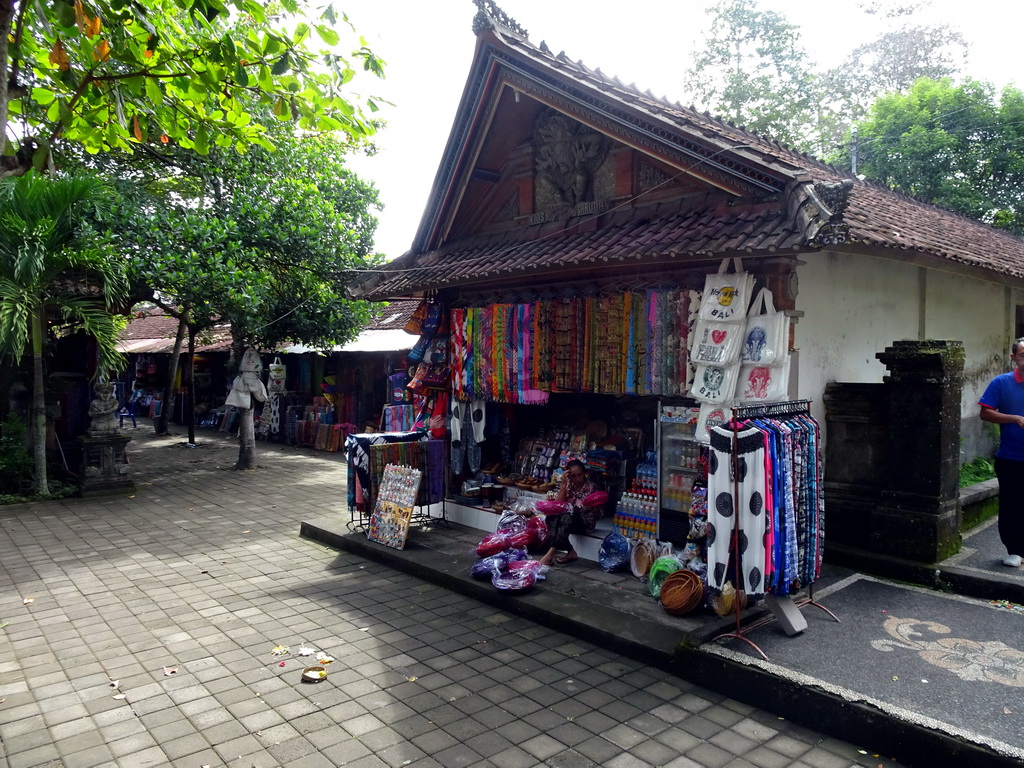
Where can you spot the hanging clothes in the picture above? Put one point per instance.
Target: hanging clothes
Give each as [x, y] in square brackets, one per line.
[737, 508]
[765, 483]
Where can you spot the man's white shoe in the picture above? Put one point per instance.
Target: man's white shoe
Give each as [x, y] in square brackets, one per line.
[1013, 561]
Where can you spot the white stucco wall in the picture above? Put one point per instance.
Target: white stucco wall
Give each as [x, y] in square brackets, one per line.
[856, 306]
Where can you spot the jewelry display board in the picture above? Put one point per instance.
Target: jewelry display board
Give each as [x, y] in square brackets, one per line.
[396, 497]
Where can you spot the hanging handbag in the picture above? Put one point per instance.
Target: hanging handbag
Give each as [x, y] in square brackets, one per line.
[276, 380]
[415, 322]
[766, 336]
[715, 383]
[717, 342]
[726, 294]
[764, 383]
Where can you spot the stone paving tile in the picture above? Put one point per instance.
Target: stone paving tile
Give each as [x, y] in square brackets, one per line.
[203, 571]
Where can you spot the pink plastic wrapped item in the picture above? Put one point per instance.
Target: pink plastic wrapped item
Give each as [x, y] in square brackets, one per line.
[538, 529]
[596, 499]
[522, 539]
[551, 507]
[493, 543]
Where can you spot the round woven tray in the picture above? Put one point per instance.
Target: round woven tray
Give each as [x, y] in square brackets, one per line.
[681, 592]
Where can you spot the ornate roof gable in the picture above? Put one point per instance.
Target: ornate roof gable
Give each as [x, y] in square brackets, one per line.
[721, 156]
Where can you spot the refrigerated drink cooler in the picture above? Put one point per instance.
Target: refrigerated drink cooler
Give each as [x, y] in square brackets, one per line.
[678, 467]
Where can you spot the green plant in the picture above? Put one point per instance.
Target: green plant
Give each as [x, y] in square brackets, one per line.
[976, 471]
[15, 461]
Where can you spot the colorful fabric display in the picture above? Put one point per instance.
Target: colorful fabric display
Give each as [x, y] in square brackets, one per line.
[777, 505]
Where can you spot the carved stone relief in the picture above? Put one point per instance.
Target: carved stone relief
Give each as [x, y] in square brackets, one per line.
[569, 159]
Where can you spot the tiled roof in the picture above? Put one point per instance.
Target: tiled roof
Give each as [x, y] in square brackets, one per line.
[153, 331]
[878, 219]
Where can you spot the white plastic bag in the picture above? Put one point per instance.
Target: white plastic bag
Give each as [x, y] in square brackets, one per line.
[764, 383]
[726, 295]
[766, 336]
[711, 415]
[715, 383]
[717, 342]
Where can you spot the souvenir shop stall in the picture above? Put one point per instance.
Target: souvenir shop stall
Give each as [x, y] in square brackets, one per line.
[660, 370]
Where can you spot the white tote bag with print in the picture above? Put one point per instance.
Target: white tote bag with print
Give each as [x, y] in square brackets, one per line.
[763, 383]
[726, 294]
[766, 334]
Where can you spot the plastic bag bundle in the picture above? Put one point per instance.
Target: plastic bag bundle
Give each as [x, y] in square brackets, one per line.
[511, 521]
[514, 580]
[538, 527]
[551, 507]
[523, 538]
[614, 553]
[660, 570]
[484, 567]
[539, 571]
[493, 543]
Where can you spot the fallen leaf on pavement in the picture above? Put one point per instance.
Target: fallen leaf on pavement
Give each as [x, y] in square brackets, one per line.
[28, 600]
[411, 679]
[1007, 711]
[113, 683]
[120, 696]
[246, 531]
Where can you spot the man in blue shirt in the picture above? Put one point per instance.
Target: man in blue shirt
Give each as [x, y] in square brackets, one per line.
[1003, 404]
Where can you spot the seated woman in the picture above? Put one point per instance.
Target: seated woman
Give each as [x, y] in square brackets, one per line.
[574, 489]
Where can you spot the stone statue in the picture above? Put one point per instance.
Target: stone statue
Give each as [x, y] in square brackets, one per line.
[103, 410]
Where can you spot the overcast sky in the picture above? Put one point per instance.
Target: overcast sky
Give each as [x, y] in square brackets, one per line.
[428, 47]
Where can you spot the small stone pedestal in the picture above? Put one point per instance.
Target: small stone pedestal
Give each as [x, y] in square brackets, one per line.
[105, 467]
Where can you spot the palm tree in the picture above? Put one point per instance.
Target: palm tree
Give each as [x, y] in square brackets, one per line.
[50, 263]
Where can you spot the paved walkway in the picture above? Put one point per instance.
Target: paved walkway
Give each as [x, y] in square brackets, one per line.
[139, 632]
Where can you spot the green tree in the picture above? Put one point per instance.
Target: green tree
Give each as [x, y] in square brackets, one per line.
[903, 53]
[49, 259]
[267, 241]
[115, 75]
[754, 72]
[958, 146]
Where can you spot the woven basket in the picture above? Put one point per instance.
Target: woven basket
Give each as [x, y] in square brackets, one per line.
[681, 592]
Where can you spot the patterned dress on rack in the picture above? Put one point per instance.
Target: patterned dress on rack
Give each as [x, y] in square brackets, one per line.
[736, 500]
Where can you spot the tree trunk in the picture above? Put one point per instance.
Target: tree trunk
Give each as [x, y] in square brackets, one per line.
[246, 440]
[190, 385]
[160, 425]
[39, 405]
[6, 22]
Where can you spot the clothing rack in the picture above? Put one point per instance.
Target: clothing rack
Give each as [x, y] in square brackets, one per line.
[740, 414]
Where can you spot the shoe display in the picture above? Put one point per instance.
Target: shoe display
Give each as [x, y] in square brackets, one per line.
[1013, 561]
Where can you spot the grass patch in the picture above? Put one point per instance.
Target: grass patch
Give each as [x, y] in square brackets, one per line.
[976, 471]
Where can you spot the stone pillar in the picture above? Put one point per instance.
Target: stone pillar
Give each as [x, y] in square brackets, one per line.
[918, 515]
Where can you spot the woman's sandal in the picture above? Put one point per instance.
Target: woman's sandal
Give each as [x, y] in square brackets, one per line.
[565, 559]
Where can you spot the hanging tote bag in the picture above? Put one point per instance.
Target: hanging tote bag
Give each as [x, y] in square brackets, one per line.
[726, 294]
[276, 377]
[717, 342]
[711, 415]
[715, 383]
[763, 383]
[766, 336]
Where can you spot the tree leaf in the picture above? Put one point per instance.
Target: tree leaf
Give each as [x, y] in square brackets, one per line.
[327, 34]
